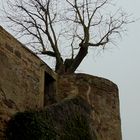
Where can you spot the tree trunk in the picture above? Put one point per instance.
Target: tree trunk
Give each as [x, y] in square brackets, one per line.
[60, 68]
[70, 65]
[78, 59]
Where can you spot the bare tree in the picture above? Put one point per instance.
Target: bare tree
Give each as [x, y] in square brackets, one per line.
[74, 25]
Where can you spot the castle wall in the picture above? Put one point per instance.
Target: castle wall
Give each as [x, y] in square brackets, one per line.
[21, 78]
[24, 80]
[102, 95]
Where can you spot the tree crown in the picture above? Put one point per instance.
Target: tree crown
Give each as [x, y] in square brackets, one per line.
[65, 30]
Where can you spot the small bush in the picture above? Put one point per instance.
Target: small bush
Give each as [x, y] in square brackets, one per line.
[29, 126]
[76, 128]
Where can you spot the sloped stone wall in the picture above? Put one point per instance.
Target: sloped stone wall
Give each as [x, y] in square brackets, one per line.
[21, 78]
[103, 97]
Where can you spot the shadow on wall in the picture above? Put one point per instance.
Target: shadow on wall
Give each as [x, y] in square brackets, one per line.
[49, 89]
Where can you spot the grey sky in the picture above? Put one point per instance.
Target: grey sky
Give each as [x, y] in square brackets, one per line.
[121, 65]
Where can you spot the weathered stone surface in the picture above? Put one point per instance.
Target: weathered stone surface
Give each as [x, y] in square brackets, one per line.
[67, 120]
[102, 95]
[21, 78]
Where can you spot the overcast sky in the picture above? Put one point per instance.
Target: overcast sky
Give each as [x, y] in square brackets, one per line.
[121, 65]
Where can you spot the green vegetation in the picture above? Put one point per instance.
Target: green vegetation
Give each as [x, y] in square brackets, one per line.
[30, 126]
[76, 128]
[68, 120]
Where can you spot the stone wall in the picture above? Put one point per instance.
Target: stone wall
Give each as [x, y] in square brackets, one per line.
[103, 97]
[21, 78]
[24, 80]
